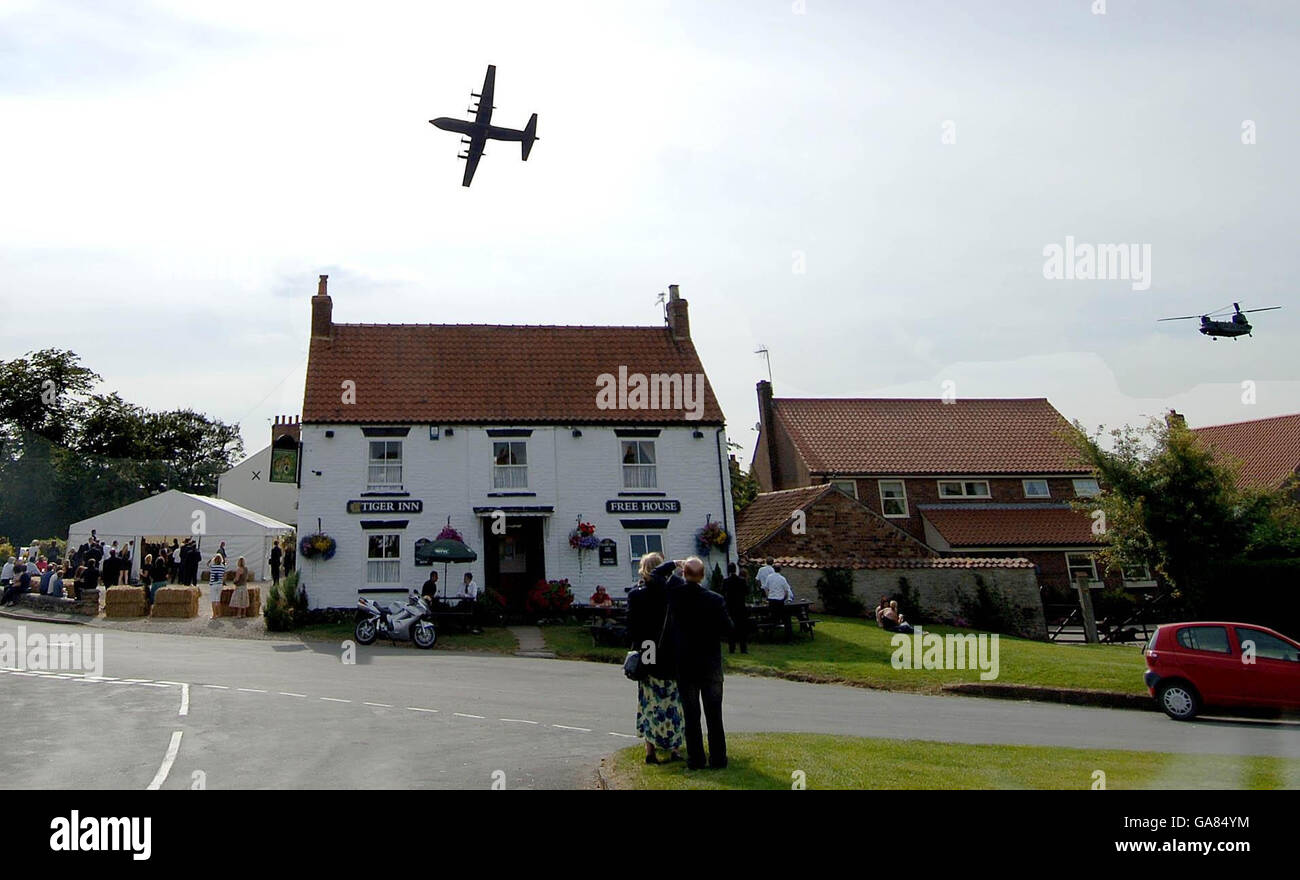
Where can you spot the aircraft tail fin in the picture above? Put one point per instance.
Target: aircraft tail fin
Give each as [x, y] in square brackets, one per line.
[530, 135]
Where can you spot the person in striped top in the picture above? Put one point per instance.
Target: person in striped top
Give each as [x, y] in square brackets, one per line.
[216, 577]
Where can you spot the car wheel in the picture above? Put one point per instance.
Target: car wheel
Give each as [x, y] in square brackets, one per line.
[1179, 700]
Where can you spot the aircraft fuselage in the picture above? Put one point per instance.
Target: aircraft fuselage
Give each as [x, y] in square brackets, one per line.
[471, 128]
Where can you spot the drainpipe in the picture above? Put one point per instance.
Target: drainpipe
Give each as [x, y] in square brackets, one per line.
[722, 485]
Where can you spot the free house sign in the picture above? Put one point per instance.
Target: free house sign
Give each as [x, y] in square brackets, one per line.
[385, 505]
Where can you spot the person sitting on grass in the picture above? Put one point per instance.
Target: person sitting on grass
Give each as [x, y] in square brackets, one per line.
[893, 621]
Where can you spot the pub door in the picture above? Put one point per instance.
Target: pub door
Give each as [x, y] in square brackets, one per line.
[515, 561]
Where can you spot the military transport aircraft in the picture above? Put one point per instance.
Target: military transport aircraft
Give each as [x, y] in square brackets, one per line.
[1237, 325]
[480, 129]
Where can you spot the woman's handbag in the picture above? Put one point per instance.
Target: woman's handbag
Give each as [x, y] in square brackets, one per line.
[633, 666]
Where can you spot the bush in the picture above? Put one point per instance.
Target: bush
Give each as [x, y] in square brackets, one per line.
[990, 611]
[835, 590]
[286, 605]
[1262, 591]
[910, 604]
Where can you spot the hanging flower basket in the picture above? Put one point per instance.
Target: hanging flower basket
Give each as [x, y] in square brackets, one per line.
[584, 537]
[317, 546]
[450, 534]
[712, 537]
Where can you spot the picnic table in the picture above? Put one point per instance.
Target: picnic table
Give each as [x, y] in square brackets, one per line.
[762, 621]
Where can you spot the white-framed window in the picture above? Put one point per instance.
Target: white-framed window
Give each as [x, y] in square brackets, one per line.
[383, 559]
[849, 487]
[1036, 489]
[963, 488]
[641, 544]
[639, 470]
[509, 464]
[1137, 575]
[1081, 563]
[1087, 487]
[385, 466]
[893, 498]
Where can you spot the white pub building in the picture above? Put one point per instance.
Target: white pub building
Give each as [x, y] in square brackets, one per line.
[512, 435]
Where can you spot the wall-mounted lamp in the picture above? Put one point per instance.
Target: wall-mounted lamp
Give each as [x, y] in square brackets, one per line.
[449, 432]
[577, 433]
[433, 432]
[317, 473]
[329, 433]
[697, 434]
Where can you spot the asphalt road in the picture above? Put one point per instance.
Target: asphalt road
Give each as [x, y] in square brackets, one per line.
[269, 714]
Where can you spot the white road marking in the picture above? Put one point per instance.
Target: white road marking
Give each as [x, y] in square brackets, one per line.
[100, 678]
[33, 674]
[135, 680]
[161, 776]
[250, 690]
[463, 715]
[566, 727]
[185, 699]
[335, 700]
[220, 687]
[624, 735]
[147, 684]
[519, 721]
[418, 709]
[287, 694]
[380, 705]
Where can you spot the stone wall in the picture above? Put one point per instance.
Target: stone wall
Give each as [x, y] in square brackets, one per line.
[939, 590]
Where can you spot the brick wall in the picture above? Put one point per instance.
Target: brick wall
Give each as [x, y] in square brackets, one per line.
[939, 590]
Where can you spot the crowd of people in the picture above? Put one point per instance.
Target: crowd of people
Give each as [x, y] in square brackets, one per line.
[675, 624]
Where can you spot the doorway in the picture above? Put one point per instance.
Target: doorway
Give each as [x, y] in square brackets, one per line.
[515, 561]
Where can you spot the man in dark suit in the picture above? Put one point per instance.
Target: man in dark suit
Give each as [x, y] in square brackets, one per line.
[735, 589]
[702, 624]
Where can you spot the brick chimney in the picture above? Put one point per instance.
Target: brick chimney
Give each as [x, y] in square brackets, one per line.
[767, 435]
[679, 322]
[286, 426]
[322, 312]
[1175, 419]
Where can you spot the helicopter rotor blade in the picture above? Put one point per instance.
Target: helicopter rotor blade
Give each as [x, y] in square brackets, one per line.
[1268, 309]
[1181, 318]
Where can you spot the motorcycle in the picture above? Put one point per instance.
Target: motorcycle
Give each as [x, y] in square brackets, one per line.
[413, 622]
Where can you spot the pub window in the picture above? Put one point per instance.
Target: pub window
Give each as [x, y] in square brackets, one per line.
[510, 464]
[1081, 563]
[963, 488]
[383, 559]
[639, 464]
[385, 471]
[893, 498]
[643, 544]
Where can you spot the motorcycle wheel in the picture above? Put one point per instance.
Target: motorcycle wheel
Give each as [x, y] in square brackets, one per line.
[423, 634]
[366, 631]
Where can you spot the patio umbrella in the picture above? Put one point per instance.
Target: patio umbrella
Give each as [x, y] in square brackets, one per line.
[446, 551]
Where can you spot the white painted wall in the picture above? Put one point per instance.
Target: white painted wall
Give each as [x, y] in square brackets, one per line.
[453, 475]
[276, 500]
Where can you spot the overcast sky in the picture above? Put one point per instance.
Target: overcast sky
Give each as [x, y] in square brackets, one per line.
[175, 175]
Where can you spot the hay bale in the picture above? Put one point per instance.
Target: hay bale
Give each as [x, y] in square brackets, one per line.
[125, 602]
[182, 602]
[223, 609]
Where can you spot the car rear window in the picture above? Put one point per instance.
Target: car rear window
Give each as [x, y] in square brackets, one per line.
[1205, 638]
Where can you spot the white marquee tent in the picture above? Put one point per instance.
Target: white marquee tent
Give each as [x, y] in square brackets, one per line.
[175, 514]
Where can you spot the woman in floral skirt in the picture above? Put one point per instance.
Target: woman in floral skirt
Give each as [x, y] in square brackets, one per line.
[659, 717]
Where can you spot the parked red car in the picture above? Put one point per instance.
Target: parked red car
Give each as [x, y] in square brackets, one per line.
[1225, 665]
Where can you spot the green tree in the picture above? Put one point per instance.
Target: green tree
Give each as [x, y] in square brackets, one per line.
[1169, 502]
[744, 488]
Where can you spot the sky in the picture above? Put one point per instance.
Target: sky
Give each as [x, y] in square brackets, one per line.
[867, 189]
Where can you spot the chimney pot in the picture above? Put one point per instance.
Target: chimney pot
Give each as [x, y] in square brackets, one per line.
[322, 286]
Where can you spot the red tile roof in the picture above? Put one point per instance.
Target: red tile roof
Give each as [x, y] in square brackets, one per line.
[931, 562]
[770, 511]
[475, 373]
[1268, 450]
[927, 436]
[1009, 525]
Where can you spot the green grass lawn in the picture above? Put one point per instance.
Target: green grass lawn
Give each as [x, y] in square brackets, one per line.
[770, 760]
[858, 652]
[493, 638]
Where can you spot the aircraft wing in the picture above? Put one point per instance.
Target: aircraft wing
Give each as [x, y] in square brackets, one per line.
[484, 114]
[471, 157]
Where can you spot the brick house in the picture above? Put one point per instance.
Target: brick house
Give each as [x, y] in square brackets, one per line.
[968, 478]
[1266, 452]
[507, 434]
